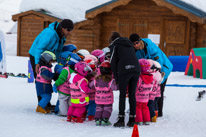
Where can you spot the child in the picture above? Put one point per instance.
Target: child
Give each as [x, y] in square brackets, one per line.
[100, 55]
[144, 87]
[78, 90]
[82, 53]
[106, 51]
[104, 85]
[91, 107]
[65, 51]
[70, 47]
[63, 58]
[155, 70]
[62, 83]
[43, 81]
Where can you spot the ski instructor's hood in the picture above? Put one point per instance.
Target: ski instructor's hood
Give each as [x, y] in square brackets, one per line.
[123, 59]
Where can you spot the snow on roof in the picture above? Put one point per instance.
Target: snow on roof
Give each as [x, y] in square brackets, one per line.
[71, 9]
[199, 4]
[76, 9]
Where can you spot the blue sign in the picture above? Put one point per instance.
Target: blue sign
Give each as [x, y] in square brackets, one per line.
[30, 73]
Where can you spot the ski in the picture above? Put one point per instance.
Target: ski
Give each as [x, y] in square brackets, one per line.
[21, 75]
[3, 75]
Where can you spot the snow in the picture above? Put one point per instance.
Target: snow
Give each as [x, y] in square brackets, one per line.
[199, 4]
[71, 9]
[76, 9]
[183, 116]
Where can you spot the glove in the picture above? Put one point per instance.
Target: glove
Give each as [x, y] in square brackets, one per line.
[56, 76]
[54, 88]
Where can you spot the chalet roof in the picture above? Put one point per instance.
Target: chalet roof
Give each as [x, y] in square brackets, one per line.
[47, 15]
[178, 7]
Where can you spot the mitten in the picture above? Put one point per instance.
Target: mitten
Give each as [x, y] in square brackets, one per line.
[54, 88]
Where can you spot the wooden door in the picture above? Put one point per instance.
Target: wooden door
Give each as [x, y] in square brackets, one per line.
[175, 36]
[128, 26]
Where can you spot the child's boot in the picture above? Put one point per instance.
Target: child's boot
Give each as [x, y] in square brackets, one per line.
[84, 116]
[69, 118]
[139, 123]
[79, 120]
[41, 110]
[146, 123]
[154, 119]
[120, 122]
[106, 122]
[74, 119]
[90, 118]
[131, 121]
[156, 113]
[98, 121]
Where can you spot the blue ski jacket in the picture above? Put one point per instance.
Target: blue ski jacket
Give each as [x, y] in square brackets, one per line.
[152, 51]
[49, 40]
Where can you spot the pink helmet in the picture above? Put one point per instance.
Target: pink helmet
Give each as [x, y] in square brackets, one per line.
[144, 65]
[82, 68]
[92, 61]
[99, 54]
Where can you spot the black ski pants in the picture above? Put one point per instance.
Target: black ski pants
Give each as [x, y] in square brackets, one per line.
[128, 80]
[161, 99]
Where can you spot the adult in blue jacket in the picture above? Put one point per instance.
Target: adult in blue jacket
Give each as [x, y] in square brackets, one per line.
[51, 39]
[147, 49]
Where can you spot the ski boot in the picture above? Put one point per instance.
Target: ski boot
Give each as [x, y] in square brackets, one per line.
[84, 116]
[156, 113]
[154, 119]
[200, 95]
[41, 110]
[120, 121]
[77, 120]
[131, 121]
[69, 118]
[98, 121]
[139, 123]
[90, 118]
[106, 122]
[146, 123]
[50, 107]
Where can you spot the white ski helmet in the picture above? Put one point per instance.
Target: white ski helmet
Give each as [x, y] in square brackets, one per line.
[106, 50]
[83, 52]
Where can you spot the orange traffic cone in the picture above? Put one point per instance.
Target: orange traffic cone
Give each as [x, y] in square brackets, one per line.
[135, 132]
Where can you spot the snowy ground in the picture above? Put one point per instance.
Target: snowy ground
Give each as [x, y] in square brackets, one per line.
[183, 116]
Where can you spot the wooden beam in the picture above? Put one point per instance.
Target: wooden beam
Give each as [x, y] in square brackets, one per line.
[180, 11]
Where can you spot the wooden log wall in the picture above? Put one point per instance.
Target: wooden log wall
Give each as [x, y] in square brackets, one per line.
[30, 27]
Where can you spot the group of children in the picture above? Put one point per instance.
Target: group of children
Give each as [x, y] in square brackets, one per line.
[85, 86]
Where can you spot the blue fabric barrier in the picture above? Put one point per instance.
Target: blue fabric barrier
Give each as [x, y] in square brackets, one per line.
[179, 62]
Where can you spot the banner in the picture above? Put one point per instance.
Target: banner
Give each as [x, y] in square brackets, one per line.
[30, 73]
[2, 54]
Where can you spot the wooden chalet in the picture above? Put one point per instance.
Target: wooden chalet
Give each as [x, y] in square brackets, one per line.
[180, 26]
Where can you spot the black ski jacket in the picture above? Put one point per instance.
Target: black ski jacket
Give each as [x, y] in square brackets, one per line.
[123, 58]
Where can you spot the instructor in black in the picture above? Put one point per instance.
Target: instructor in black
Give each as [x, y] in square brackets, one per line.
[126, 71]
